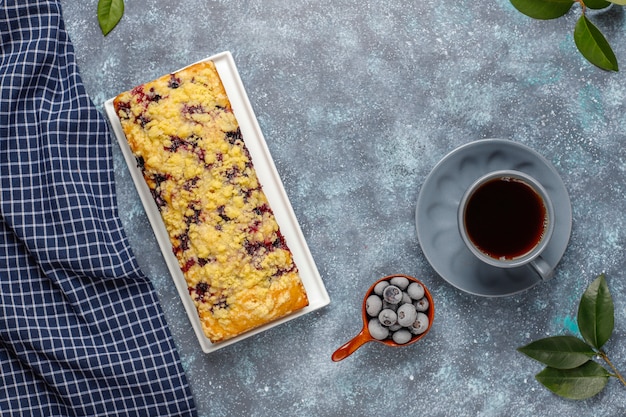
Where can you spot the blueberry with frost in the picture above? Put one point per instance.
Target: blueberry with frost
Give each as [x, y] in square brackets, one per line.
[373, 305]
[392, 294]
[378, 289]
[388, 317]
[390, 306]
[402, 336]
[400, 282]
[406, 298]
[377, 330]
[420, 325]
[395, 327]
[422, 304]
[415, 290]
[406, 315]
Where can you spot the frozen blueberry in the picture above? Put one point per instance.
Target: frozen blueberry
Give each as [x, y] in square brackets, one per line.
[415, 290]
[400, 282]
[388, 317]
[377, 330]
[392, 294]
[422, 304]
[406, 298]
[378, 289]
[373, 305]
[420, 325]
[402, 336]
[395, 327]
[406, 315]
[390, 306]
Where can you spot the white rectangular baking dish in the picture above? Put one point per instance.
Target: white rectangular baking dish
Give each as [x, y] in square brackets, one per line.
[272, 186]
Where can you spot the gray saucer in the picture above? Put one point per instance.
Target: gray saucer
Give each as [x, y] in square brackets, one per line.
[436, 215]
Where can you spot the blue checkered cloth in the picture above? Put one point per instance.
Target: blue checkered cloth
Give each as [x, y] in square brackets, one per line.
[81, 329]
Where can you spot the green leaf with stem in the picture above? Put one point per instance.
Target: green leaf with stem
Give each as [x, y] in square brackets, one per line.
[617, 374]
[543, 9]
[593, 45]
[596, 313]
[579, 383]
[109, 14]
[561, 352]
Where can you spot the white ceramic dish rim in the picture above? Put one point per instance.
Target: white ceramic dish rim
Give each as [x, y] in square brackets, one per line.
[272, 186]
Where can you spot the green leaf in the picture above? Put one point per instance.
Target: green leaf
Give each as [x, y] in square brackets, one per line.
[597, 4]
[109, 14]
[620, 2]
[593, 45]
[577, 384]
[596, 313]
[543, 9]
[561, 352]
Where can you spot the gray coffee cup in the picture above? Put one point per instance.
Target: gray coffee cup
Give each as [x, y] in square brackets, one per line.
[506, 220]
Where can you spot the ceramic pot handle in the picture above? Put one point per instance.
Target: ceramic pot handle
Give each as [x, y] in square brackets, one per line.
[351, 346]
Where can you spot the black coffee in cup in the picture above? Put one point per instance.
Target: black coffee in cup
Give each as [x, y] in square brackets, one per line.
[505, 218]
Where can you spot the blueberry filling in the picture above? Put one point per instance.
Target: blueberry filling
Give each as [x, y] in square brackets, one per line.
[191, 183]
[188, 265]
[204, 294]
[174, 82]
[158, 198]
[193, 218]
[221, 211]
[143, 120]
[221, 303]
[177, 143]
[262, 209]
[253, 248]
[183, 245]
[234, 136]
[232, 173]
[123, 109]
[189, 144]
[202, 288]
[191, 110]
[143, 97]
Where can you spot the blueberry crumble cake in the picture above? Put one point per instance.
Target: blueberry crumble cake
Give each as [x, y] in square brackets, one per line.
[239, 271]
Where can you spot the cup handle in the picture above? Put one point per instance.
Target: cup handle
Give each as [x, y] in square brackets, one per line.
[542, 268]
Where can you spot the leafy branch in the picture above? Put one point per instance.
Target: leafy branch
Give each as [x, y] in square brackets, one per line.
[109, 14]
[571, 371]
[590, 42]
